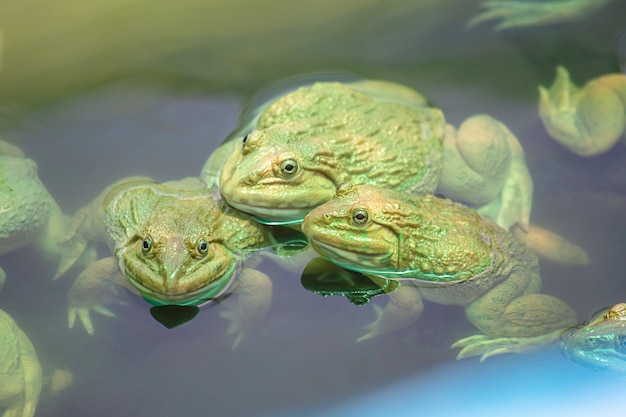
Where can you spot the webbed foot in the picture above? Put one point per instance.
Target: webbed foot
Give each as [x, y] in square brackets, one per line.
[83, 314]
[520, 13]
[587, 121]
[486, 346]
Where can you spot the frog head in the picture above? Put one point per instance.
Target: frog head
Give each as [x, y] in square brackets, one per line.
[358, 229]
[276, 179]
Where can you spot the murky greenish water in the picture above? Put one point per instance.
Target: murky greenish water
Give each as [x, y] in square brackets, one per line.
[303, 359]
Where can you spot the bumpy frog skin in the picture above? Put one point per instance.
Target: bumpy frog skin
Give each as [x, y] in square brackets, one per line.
[28, 214]
[451, 254]
[176, 243]
[20, 372]
[308, 141]
[601, 343]
[589, 120]
[519, 13]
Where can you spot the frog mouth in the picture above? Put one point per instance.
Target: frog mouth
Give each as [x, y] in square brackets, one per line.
[272, 215]
[352, 260]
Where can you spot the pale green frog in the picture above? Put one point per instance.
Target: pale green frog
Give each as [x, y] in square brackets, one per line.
[589, 120]
[601, 343]
[448, 254]
[518, 13]
[306, 142]
[175, 243]
[28, 213]
[20, 371]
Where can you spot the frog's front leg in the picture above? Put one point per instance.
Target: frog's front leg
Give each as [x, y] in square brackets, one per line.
[587, 121]
[483, 165]
[517, 13]
[90, 291]
[254, 294]
[514, 318]
[404, 307]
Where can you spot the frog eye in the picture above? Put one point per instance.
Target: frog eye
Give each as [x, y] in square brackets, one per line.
[202, 246]
[288, 167]
[146, 245]
[359, 217]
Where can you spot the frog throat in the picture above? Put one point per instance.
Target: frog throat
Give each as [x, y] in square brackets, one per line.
[194, 298]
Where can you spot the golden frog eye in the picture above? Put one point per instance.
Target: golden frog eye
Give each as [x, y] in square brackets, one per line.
[202, 246]
[146, 245]
[359, 217]
[288, 167]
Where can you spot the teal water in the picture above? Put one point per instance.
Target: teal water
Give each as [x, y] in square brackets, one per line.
[303, 359]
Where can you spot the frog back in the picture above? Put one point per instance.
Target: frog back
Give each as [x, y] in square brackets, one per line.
[390, 139]
[25, 204]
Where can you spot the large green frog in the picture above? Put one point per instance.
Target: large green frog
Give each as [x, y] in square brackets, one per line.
[518, 13]
[306, 142]
[450, 255]
[589, 120]
[175, 243]
[28, 213]
[20, 372]
[600, 343]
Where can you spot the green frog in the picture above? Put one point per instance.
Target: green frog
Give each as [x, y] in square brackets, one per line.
[20, 371]
[304, 143]
[28, 213]
[518, 13]
[444, 252]
[589, 120]
[600, 343]
[175, 243]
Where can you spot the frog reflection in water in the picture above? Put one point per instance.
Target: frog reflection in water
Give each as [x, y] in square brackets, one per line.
[589, 120]
[517, 13]
[450, 255]
[601, 343]
[175, 243]
[310, 140]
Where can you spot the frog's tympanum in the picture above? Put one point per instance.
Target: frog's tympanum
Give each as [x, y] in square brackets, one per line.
[308, 141]
[601, 343]
[517, 13]
[448, 254]
[589, 120]
[176, 244]
[20, 372]
[28, 213]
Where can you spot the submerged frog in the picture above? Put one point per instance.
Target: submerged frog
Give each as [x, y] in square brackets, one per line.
[175, 243]
[601, 343]
[28, 213]
[518, 13]
[589, 120]
[448, 254]
[310, 140]
[20, 372]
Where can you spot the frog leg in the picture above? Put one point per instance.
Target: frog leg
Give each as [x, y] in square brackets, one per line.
[254, 300]
[32, 375]
[90, 290]
[588, 121]
[514, 318]
[3, 278]
[483, 165]
[404, 307]
[518, 13]
[551, 246]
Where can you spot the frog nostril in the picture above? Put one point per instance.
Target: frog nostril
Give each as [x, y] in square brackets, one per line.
[327, 218]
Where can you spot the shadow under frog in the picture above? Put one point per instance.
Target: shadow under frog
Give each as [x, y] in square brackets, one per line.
[178, 245]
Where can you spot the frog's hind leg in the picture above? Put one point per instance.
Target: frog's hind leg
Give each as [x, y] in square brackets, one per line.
[483, 165]
[515, 318]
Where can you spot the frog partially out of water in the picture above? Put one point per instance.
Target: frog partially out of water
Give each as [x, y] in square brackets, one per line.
[519, 13]
[175, 243]
[600, 343]
[28, 213]
[589, 120]
[306, 142]
[20, 371]
[444, 252]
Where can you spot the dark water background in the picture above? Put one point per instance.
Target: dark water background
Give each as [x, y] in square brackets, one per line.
[304, 356]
